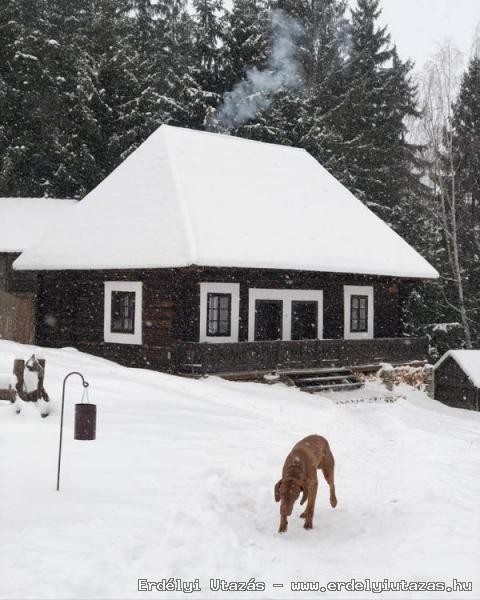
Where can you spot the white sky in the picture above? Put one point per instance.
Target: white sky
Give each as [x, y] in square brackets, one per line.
[418, 26]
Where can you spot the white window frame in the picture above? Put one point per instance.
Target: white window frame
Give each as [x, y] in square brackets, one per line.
[357, 290]
[287, 296]
[211, 287]
[122, 338]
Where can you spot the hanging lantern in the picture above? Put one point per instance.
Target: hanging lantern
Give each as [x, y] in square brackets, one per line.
[85, 421]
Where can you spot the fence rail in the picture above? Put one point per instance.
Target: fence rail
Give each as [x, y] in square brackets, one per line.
[205, 358]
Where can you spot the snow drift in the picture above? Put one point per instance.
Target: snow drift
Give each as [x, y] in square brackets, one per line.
[179, 483]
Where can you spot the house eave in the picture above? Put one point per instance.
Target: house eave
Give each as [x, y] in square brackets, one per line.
[234, 266]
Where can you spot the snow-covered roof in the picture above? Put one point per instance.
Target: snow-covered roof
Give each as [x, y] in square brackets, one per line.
[468, 361]
[24, 220]
[186, 197]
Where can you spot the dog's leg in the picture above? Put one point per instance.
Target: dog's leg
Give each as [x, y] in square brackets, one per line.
[304, 498]
[283, 524]
[328, 469]
[312, 494]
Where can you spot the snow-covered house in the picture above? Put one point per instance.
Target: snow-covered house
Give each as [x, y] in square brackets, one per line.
[219, 254]
[457, 379]
[22, 220]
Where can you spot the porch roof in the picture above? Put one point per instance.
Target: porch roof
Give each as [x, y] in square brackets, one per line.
[193, 198]
[24, 220]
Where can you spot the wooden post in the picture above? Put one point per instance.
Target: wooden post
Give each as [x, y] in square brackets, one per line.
[18, 367]
[41, 375]
[429, 380]
[387, 376]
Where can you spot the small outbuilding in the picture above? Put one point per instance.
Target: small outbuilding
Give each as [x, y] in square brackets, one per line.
[23, 220]
[457, 379]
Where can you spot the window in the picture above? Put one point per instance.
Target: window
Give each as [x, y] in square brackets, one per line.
[123, 312]
[304, 320]
[219, 314]
[358, 313]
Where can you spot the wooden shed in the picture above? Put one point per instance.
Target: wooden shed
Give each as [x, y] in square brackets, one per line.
[206, 253]
[457, 379]
[23, 221]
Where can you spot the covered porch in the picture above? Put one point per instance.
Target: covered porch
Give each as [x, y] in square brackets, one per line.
[265, 356]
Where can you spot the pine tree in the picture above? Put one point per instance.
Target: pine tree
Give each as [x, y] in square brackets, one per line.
[28, 108]
[82, 84]
[304, 114]
[181, 95]
[205, 87]
[133, 45]
[379, 96]
[177, 53]
[325, 29]
[155, 45]
[208, 33]
[466, 151]
[115, 81]
[77, 131]
[246, 41]
[466, 140]
[138, 105]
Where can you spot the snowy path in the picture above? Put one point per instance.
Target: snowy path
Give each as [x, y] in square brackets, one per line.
[180, 483]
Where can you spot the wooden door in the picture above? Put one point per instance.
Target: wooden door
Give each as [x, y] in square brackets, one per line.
[268, 320]
[17, 318]
[304, 320]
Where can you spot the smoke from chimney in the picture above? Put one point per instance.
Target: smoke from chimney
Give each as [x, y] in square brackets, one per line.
[255, 93]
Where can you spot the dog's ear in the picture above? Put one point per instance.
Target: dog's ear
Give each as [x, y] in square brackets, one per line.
[305, 495]
[277, 490]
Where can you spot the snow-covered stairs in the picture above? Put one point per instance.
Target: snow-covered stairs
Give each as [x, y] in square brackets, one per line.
[321, 380]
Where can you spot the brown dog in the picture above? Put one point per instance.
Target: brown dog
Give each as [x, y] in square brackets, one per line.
[300, 475]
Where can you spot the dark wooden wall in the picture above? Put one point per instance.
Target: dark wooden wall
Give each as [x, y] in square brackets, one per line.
[386, 297]
[453, 387]
[70, 307]
[15, 282]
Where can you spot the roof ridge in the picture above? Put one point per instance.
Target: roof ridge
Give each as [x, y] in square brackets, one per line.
[232, 137]
[192, 247]
[38, 198]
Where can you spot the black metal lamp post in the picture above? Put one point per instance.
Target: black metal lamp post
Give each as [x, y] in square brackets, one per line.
[85, 420]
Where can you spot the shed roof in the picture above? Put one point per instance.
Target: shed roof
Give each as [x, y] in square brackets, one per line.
[24, 220]
[186, 197]
[467, 360]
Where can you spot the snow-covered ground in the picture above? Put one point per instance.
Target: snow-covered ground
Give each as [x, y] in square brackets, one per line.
[179, 483]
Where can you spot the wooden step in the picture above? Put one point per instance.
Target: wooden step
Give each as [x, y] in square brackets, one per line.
[320, 380]
[323, 378]
[332, 388]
